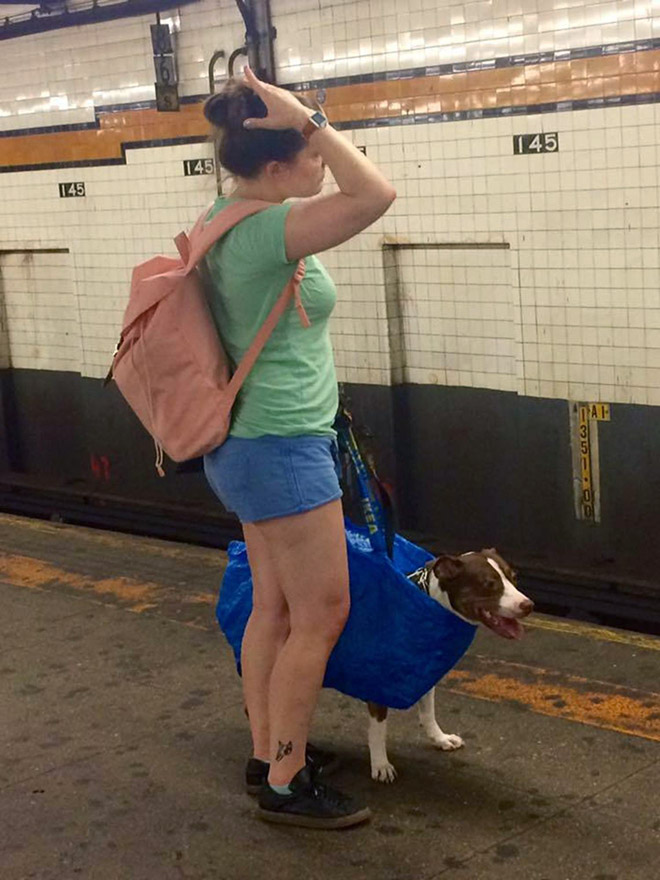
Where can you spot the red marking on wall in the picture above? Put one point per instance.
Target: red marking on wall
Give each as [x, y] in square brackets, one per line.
[100, 465]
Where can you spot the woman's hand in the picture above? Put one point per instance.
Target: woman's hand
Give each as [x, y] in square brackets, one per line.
[284, 109]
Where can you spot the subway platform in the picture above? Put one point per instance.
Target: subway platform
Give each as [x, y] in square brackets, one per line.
[123, 739]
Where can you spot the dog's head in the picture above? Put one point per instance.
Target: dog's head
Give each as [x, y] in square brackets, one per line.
[481, 587]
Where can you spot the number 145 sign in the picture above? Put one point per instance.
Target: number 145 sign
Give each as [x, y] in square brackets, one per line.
[546, 142]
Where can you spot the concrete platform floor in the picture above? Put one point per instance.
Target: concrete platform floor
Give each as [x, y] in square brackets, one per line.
[123, 739]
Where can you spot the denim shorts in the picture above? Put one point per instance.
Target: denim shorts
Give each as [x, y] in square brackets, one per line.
[271, 476]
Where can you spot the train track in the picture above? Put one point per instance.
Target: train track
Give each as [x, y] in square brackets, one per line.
[610, 601]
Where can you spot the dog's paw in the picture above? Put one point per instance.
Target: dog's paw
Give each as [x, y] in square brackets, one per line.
[448, 742]
[383, 773]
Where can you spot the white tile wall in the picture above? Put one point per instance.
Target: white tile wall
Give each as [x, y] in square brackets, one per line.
[581, 314]
[67, 72]
[129, 213]
[584, 231]
[58, 77]
[332, 38]
[457, 317]
[41, 312]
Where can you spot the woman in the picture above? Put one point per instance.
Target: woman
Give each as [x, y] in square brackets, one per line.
[278, 468]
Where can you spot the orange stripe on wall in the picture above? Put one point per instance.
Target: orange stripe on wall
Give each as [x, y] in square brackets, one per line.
[106, 141]
[548, 83]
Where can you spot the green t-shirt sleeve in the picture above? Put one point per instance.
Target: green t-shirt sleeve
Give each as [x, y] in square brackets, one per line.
[260, 239]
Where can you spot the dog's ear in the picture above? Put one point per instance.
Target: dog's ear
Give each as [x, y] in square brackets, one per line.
[491, 551]
[447, 567]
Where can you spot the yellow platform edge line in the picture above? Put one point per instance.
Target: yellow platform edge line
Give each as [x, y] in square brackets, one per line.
[620, 713]
[599, 704]
[599, 633]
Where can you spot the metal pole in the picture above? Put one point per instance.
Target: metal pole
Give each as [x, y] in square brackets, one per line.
[263, 57]
[215, 57]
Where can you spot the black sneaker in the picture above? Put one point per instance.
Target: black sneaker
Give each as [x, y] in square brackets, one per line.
[320, 761]
[310, 805]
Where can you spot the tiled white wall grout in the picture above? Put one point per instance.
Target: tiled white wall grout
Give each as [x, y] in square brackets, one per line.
[59, 77]
[581, 316]
[327, 39]
[43, 328]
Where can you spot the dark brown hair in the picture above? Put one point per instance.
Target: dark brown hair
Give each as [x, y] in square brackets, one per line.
[244, 151]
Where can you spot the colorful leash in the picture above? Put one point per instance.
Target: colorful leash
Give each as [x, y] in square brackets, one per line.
[375, 500]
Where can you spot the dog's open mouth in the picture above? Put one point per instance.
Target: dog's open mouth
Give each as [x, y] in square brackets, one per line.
[507, 627]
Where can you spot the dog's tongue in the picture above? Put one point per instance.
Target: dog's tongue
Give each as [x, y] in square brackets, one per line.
[507, 627]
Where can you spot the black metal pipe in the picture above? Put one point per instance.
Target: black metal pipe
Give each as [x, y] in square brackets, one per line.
[266, 34]
[259, 36]
[220, 53]
[242, 50]
[251, 47]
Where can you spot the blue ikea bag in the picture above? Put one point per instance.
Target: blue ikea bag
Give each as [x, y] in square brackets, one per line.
[397, 643]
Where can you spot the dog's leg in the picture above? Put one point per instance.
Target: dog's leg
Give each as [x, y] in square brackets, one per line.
[445, 741]
[381, 769]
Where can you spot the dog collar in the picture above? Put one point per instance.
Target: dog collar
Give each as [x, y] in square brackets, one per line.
[422, 578]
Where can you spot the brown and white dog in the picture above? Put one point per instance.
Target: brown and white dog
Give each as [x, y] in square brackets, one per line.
[479, 587]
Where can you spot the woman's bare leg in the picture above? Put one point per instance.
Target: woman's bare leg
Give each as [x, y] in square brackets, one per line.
[265, 634]
[306, 557]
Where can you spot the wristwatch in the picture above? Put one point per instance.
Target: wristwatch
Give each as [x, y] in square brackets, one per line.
[316, 120]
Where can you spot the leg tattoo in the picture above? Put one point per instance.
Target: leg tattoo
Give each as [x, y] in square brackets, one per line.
[283, 750]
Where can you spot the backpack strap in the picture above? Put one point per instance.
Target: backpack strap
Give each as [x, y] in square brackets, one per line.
[200, 241]
[192, 248]
[291, 291]
[204, 235]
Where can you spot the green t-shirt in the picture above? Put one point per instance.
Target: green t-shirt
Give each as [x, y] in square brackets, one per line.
[292, 388]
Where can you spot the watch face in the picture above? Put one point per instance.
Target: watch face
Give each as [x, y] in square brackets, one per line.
[319, 119]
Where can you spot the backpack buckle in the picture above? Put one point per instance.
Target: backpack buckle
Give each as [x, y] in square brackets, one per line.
[108, 378]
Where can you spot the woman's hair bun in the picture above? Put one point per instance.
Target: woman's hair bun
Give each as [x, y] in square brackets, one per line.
[231, 106]
[244, 151]
[215, 110]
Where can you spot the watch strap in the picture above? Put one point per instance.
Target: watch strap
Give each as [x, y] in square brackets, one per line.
[310, 127]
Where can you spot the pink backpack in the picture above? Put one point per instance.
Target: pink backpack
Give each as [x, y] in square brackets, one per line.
[169, 363]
